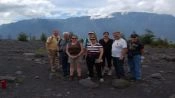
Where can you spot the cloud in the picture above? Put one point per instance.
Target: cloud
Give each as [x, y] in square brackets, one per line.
[15, 10]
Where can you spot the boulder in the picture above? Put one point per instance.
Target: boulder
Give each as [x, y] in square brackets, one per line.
[88, 83]
[120, 83]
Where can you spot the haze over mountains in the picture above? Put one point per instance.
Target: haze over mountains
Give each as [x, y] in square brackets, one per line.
[162, 25]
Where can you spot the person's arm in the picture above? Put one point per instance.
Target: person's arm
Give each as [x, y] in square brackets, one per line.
[48, 41]
[124, 50]
[82, 50]
[67, 52]
[101, 53]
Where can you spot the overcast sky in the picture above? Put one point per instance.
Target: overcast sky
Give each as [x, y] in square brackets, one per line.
[15, 10]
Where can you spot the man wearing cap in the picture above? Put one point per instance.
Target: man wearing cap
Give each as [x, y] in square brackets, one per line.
[119, 48]
[51, 46]
[135, 51]
[62, 52]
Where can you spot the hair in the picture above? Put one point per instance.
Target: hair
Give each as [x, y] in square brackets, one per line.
[66, 33]
[106, 33]
[75, 36]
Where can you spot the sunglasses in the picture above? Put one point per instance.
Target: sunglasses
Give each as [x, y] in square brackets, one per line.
[92, 39]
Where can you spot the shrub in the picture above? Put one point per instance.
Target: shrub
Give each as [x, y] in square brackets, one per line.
[41, 52]
[43, 37]
[147, 38]
[22, 36]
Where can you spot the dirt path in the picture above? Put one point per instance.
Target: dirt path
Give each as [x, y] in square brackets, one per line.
[36, 83]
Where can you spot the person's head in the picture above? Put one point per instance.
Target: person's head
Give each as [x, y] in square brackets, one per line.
[93, 39]
[106, 34]
[55, 33]
[134, 37]
[117, 35]
[66, 35]
[74, 38]
[92, 34]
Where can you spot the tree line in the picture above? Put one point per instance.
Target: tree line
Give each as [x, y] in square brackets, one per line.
[148, 38]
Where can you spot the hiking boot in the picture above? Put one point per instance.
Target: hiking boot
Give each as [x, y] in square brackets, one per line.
[101, 80]
[110, 72]
[53, 70]
[71, 78]
[89, 78]
[79, 77]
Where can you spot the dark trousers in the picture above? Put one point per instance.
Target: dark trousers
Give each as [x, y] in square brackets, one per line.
[108, 57]
[90, 60]
[119, 68]
[64, 63]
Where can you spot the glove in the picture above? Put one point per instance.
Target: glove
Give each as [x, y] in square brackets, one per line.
[142, 58]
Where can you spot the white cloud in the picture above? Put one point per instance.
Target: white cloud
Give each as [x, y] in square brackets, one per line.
[15, 10]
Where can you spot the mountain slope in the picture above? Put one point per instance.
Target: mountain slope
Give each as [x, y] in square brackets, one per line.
[161, 25]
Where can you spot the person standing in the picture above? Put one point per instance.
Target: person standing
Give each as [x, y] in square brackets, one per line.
[51, 47]
[119, 48]
[135, 52]
[74, 50]
[94, 53]
[106, 42]
[63, 55]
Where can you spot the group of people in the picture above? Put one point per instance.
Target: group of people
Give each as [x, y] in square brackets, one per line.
[97, 53]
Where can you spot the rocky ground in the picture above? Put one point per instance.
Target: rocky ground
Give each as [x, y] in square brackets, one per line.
[25, 65]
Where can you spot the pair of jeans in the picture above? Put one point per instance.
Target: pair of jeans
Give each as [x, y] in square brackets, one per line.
[90, 60]
[135, 66]
[119, 68]
[64, 63]
[108, 57]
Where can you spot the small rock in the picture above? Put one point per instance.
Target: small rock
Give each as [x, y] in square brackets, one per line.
[36, 77]
[29, 54]
[162, 71]
[156, 76]
[88, 83]
[37, 60]
[18, 72]
[20, 79]
[59, 95]
[120, 83]
[145, 66]
[68, 92]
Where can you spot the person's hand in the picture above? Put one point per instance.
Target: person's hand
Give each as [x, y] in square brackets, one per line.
[99, 60]
[142, 58]
[73, 57]
[121, 57]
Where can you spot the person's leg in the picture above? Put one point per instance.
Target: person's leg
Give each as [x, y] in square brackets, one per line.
[121, 68]
[137, 67]
[65, 64]
[131, 67]
[109, 59]
[115, 63]
[118, 64]
[72, 65]
[90, 63]
[103, 63]
[78, 63]
[52, 59]
[98, 67]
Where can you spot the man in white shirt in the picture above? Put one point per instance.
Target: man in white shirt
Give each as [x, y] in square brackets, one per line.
[119, 48]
